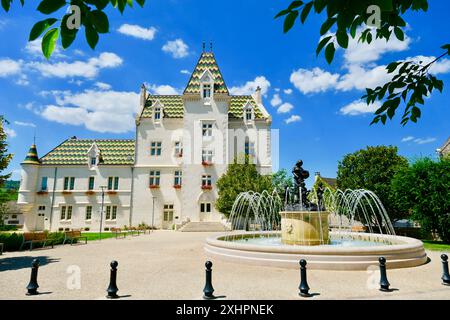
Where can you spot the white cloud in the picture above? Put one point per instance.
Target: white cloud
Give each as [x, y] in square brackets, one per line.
[360, 78]
[440, 66]
[100, 111]
[85, 69]
[359, 107]
[10, 67]
[163, 89]
[250, 87]
[424, 140]
[406, 139]
[287, 91]
[276, 100]
[102, 85]
[184, 71]
[177, 48]
[285, 108]
[313, 81]
[10, 132]
[25, 124]
[293, 118]
[137, 31]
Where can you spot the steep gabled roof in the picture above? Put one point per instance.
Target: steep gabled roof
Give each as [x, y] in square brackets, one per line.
[32, 156]
[207, 61]
[237, 104]
[172, 106]
[74, 152]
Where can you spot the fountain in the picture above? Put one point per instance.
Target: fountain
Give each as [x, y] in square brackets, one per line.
[331, 229]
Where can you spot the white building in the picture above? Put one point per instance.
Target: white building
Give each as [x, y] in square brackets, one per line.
[166, 176]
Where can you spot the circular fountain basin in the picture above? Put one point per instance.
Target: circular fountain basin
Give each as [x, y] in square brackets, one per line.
[346, 251]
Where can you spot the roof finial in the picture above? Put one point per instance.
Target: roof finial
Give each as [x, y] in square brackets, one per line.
[210, 46]
[203, 46]
[34, 137]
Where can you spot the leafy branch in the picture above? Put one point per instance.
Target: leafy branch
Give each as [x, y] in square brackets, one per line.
[91, 17]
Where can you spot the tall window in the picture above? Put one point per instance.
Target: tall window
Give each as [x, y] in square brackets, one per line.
[207, 129]
[206, 91]
[111, 212]
[248, 114]
[93, 161]
[178, 149]
[249, 148]
[155, 177]
[69, 183]
[168, 212]
[113, 183]
[205, 207]
[66, 213]
[178, 177]
[155, 148]
[207, 155]
[206, 180]
[157, 113]
[91, 183]
[88, 213]
[44, 184]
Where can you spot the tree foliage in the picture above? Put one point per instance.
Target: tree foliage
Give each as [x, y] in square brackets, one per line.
[280, 180]
[92, 18]
[373, 169]
[239, 178]
[349, 18]
[5, 157]
[424, 189]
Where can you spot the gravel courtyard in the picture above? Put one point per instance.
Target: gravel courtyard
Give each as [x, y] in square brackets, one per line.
[170, 265]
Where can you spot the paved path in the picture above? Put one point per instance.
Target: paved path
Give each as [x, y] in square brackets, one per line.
[170, 265]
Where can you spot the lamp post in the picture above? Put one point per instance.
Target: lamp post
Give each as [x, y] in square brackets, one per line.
[101, 210]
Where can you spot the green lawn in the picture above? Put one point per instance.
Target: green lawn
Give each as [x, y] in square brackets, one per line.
[96, 235]
[436, 245]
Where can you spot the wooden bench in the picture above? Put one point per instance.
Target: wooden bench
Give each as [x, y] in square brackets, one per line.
[134, 230]
[118, 232]
[35, 237]
[73, 235]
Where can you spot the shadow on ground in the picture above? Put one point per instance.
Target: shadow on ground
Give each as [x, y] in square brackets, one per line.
[16, 263]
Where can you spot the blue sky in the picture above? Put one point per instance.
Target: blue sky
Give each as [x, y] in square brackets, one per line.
[93, 94]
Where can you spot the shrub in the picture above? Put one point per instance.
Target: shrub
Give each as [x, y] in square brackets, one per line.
[11, 241]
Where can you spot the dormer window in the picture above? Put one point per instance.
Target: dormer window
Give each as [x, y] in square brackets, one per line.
[93, 161]
[206, 91]
[248, 114]
[93, 156]
[157, 115]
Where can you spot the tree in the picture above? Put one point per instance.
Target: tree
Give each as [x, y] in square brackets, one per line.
[424, 189]
[379, 19]
[5, 157]
[239, 178]
[280, 180]
[373, 169]
[87, 13]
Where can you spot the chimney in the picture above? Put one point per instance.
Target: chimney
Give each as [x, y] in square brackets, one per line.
[257, 95]
[143, 95]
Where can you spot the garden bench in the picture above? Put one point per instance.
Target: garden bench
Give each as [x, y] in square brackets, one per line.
[35, 237]
[118, 232]
[73, 235]
[134, 230]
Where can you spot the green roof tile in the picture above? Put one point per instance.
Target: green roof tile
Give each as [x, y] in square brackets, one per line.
[172, 106]
[74, 152]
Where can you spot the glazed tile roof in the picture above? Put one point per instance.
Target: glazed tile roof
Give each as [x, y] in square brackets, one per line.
[173, 106]
[237, 103]
[32, 156]
[74, 152]
[207, 61]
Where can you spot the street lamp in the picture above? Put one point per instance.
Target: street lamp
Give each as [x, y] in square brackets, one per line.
[101, 210]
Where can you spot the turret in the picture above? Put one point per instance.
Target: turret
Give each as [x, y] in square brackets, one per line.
[29, 176]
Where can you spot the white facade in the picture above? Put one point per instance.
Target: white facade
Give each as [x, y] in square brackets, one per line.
[166, 177]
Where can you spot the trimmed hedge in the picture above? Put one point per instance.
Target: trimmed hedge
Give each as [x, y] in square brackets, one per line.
[12, 241]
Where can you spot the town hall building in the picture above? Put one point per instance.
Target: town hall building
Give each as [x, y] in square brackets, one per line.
[165, 177]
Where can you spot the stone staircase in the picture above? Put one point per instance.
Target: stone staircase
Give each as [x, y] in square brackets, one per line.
[203, 227]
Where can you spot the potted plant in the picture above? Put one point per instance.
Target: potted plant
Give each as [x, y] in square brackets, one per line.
[206, 187]
[90, 192]
[154, 186]
[177, 186]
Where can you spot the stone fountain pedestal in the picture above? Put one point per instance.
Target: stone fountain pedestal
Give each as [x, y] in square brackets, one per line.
[305, 228]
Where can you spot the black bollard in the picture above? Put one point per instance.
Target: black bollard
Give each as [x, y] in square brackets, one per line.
[304, 288]
[384, 283]
[208, 290]
[33, 285]
[112, 288]
[445, 275]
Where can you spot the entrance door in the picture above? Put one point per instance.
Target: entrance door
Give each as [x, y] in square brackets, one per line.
[205, 211]
[40, 221]
[168, 216]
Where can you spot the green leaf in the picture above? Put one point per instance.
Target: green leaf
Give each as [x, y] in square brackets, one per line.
[322, 43]
[399, 33]
[49, 6]
[289, 21]
[67, 35]
[40, 27]
[415, 112]
[446, 47]
[342, 39]
[141, 2]
[49, 42]
[295, 4]
[6, 4]
[121, 5]
[91, 36]
[305, 11]
[319, 5]
[100, 21]
[282, 13]
[329, 52]
[327, 25]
